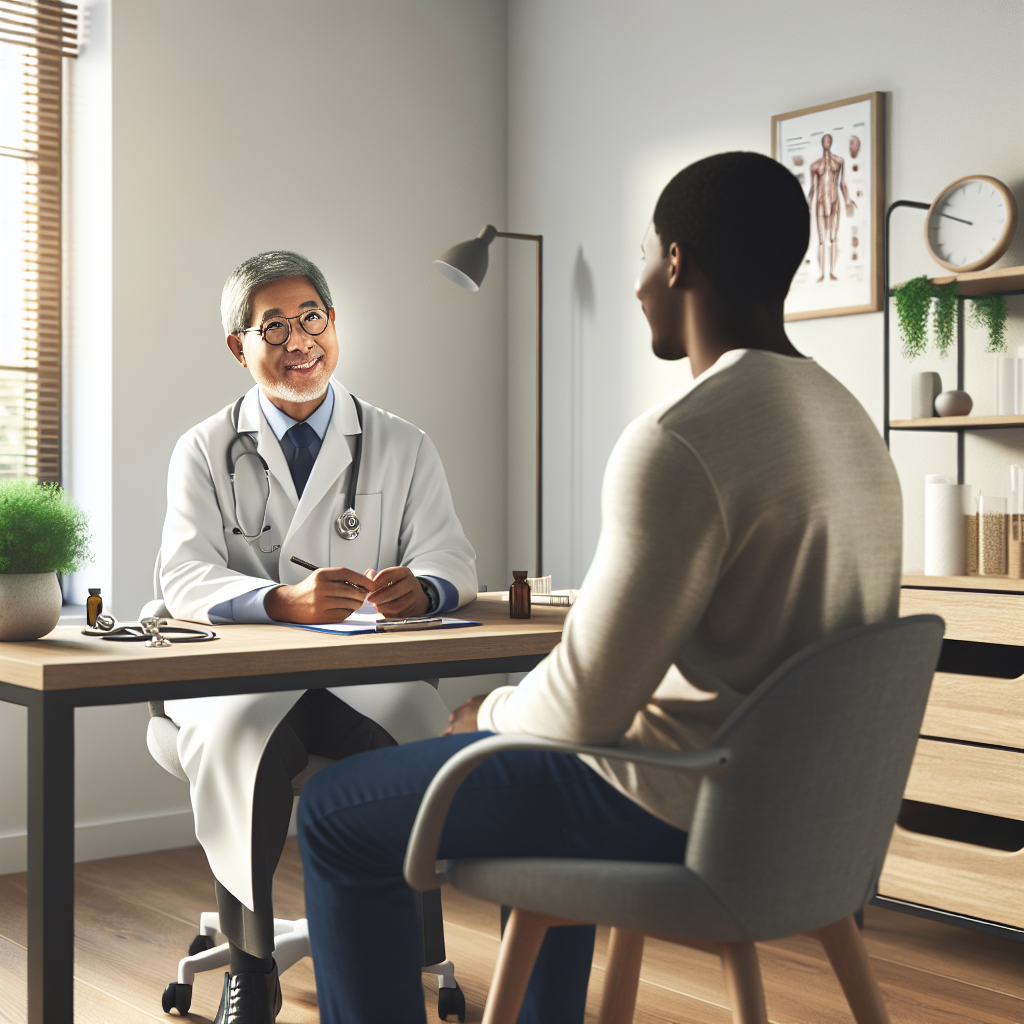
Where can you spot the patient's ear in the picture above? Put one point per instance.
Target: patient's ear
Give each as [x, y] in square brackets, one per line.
[235, 346]
[678, 266]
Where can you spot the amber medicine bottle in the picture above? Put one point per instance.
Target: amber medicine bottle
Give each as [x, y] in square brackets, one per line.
[519, 596]
[93, 606]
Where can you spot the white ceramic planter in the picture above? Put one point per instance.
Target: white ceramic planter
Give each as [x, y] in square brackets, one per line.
[30, 605]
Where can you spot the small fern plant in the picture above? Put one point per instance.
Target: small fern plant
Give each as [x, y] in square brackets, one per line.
[41, 529]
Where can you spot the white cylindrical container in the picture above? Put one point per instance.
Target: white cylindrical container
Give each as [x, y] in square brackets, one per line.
[924, 389]
[1018, 382]
[30, 605]
[1006, 385]
[945, 527]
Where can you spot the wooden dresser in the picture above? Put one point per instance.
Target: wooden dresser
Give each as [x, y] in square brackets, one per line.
[957, 853]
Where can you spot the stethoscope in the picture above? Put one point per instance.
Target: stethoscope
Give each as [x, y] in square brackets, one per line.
[250, 484]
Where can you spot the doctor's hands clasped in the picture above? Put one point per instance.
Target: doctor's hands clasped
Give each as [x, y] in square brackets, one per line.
[326, 595]
[332, 595]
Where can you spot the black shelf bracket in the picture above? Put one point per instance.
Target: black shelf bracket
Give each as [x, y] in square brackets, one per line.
[885, 313]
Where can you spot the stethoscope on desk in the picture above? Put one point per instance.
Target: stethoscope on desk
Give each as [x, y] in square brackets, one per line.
[250, 485]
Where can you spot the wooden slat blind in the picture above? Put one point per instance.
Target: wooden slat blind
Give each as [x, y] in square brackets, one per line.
[37, 36]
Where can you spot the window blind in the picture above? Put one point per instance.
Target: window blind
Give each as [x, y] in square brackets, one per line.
[35, 37]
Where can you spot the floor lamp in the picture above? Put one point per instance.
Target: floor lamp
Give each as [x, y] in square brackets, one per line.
[466, 265]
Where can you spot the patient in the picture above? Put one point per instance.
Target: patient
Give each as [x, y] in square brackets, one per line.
[745, 518]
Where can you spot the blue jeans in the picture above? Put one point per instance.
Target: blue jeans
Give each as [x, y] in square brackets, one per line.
[354, 823]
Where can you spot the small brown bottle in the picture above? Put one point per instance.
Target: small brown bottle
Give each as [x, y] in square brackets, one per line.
[519, 596]
[93, 606]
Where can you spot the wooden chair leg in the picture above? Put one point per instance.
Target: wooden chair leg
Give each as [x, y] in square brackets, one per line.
[845, 949]
[622, 976]
[743, 980]
[520, 945]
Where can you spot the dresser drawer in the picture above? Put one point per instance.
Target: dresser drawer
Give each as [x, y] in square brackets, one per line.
[958, 877]
[969, 778]
[988, 618]
[979, 709]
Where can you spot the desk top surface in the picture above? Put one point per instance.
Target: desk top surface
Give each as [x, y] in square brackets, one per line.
[67, 660]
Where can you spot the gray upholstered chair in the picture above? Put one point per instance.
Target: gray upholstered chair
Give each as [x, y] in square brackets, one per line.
[801, 788]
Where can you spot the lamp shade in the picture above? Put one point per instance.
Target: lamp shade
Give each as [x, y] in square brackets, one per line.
[466, 263]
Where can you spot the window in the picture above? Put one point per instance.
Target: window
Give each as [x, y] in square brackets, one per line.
[35, 37]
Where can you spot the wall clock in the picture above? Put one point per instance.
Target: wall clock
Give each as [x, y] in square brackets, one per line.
[971, 223]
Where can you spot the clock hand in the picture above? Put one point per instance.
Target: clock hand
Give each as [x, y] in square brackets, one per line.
[960, 219]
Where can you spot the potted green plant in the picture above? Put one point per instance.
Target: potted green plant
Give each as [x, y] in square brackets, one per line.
[43, 533]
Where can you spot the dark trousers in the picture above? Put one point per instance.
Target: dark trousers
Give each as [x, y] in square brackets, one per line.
[320, 724]
[354, 823]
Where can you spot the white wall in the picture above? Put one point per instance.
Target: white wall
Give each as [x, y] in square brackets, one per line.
[609, 98]
[605, 100]
[368, 135]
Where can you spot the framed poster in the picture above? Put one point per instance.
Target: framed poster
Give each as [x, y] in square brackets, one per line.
[836, 152]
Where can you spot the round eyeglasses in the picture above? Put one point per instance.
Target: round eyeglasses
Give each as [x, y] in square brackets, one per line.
[276, 330]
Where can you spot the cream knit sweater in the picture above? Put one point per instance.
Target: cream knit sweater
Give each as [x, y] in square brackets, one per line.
[742, 521]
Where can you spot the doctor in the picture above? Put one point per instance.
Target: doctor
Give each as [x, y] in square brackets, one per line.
[297, 466]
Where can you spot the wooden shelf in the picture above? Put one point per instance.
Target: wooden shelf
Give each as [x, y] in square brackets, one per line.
[976, 283]
[1002, 584]
[956, 422]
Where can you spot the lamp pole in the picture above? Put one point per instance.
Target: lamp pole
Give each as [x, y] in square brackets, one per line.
[465, 264]
[539, 239]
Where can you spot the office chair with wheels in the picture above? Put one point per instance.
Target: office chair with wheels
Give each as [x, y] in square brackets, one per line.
[800, 792]
[291, 938]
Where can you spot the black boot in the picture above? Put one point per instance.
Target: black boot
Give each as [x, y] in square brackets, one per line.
[250, 999]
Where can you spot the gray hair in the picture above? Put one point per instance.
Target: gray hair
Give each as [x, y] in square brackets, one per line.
[254, 273]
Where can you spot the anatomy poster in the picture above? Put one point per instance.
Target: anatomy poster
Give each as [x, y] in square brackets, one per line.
[835, 152]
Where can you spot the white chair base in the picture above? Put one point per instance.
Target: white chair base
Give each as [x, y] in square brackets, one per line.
[291, 944]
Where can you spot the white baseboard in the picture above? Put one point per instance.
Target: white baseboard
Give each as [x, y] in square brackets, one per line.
[102, 839]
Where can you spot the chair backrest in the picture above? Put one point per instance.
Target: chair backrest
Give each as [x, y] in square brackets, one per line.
[792, 837]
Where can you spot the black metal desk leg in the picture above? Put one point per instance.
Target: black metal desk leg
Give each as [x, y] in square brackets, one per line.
[51, 860]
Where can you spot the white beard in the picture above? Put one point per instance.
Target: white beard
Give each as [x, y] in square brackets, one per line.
[305, 389]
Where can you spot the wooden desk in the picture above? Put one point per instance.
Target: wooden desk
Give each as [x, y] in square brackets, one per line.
[65, 670]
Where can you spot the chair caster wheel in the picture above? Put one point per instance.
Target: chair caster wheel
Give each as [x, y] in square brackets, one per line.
[451, 1003]
[177, 997]
[200, 944]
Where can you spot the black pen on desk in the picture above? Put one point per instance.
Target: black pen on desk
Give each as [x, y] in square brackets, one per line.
[313, 568]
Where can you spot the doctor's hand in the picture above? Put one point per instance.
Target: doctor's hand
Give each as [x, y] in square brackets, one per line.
[327, 595]
[395, 592]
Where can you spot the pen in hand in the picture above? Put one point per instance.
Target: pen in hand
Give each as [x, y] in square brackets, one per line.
[313, 568]
[380, 590]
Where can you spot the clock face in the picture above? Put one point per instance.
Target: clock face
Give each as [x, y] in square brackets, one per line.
[971, 224]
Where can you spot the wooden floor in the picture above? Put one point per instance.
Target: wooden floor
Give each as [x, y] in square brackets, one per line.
[136, 915]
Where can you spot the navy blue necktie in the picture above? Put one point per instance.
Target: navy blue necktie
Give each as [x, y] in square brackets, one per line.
[300, 459]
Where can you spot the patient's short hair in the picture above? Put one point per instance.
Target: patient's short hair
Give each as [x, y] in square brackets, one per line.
[742, 218]
[254, 273]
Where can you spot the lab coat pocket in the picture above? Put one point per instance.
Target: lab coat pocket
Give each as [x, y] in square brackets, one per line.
[364, 552]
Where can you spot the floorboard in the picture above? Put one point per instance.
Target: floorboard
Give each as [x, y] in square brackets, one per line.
[135, 916]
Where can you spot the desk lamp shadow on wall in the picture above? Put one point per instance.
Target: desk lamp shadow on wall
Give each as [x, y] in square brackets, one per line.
[466, 265]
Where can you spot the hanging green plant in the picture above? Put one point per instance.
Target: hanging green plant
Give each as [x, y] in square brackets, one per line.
[989, 313]
[947, 300]
[913, 303]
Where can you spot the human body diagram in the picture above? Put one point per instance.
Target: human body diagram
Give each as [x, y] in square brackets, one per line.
[827, 181]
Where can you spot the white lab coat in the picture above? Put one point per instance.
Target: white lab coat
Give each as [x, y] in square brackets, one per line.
[407, 518]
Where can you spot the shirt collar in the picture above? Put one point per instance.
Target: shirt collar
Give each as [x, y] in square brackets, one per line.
[281, 423]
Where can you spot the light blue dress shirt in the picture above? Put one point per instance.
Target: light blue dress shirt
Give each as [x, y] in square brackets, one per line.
[249, 607]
